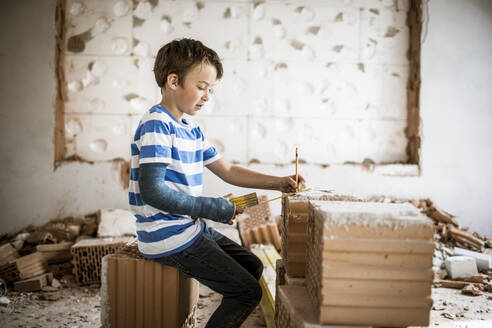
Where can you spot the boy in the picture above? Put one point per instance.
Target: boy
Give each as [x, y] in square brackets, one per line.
[168, 155]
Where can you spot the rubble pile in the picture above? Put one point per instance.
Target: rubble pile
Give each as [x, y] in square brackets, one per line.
[40, 257]
[462, 260]
[257, 225]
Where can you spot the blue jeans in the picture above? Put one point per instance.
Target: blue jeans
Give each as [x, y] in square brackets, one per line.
[228, 269]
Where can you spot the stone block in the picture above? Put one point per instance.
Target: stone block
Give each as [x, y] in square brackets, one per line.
[115, 222]
[461, 266]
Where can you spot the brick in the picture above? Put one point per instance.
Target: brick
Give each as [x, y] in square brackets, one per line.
[31, 265]
[484, 261]
[368, 257]
[295, 210]
[461, 267]
[293, 309]
[87, 256]
[115, 222]
[139, 292]
[63, 246]
[7, 254]
[33, 284]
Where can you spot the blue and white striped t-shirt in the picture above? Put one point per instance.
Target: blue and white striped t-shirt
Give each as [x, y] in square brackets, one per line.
[160, 138]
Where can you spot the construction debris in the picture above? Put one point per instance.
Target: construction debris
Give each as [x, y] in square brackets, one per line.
[470, 289]
[33, 284]
[115, 222]
[484, 261]
[258, 226]
[461, 267]
[87, 257]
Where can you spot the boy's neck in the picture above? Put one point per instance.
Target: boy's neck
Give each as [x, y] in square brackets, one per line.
[172, 109]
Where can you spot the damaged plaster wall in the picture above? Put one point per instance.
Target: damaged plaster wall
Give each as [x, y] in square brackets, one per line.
[327, 76]
[456, 143]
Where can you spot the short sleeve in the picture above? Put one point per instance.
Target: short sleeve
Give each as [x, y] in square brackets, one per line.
[210, 154]
[155, 142]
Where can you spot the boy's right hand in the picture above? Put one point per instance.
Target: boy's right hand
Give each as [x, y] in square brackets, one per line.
[238, 210]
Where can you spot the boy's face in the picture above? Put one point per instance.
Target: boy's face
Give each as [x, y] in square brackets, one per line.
[195, 91]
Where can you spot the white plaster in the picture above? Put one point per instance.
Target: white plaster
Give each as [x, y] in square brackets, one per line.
[77, 8]
[102, 25]
[119, 46]
[143, 10]
[461, 267]
[455, 102]
[121, 8]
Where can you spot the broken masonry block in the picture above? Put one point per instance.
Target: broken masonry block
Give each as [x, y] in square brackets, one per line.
[461, 267]
[56, 253]
[484, 261]
[87, 256]
[33, 284]
[115, 222]
[7, 253]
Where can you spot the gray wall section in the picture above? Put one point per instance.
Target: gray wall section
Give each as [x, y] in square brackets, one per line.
[32, 192]
[455, 110]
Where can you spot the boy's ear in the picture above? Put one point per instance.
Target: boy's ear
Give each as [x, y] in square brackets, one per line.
[172, 81]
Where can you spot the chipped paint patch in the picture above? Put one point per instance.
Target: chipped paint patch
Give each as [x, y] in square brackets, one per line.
[391, 32]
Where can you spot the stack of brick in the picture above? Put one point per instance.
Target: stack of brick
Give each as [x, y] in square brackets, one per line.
[257, 226]
[369, 264]
[136, 292]
[87, 257]
[293, 227]
[24, 267]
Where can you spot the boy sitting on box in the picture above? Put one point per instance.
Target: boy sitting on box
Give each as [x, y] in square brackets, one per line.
[168, 155]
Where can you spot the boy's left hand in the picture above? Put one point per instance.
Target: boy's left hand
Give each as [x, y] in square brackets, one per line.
[288, 184]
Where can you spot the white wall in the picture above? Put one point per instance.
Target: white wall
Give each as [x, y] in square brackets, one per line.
[456, 149]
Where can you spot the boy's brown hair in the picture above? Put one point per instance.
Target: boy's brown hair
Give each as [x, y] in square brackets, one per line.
[179, 56]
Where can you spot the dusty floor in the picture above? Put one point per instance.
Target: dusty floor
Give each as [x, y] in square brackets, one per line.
[80, 308]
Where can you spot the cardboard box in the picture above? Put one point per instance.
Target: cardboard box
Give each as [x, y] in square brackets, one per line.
[141, 293]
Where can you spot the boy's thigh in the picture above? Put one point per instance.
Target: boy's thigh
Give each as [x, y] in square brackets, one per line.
[242, 255]
[208, 263]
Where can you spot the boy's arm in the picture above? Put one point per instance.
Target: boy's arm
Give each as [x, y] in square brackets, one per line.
[244, 177]
[156, 193]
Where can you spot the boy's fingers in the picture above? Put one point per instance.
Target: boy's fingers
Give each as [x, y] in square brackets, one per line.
[229, 196]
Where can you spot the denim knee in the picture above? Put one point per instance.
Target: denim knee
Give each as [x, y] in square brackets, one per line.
[257, 294]
[253, 297]
[258, 269]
